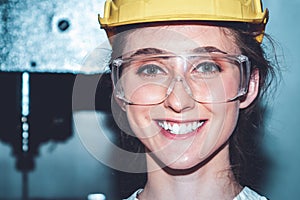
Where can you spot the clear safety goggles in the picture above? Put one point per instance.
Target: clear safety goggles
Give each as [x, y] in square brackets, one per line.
[207, 78]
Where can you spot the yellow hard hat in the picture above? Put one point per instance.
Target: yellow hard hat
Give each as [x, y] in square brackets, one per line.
[124, 12]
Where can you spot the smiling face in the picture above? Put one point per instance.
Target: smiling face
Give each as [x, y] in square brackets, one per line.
[181, 132]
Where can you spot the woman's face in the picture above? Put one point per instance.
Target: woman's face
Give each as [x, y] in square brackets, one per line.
[204, 128]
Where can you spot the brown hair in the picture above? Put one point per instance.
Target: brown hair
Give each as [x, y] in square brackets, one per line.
[248, 159]
[246, 156]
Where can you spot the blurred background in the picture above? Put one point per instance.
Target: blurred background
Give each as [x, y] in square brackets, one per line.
[43, 47]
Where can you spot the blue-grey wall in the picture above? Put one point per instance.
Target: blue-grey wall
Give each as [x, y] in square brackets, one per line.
[283, 134]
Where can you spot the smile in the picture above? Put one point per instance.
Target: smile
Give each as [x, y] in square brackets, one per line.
[180, 128]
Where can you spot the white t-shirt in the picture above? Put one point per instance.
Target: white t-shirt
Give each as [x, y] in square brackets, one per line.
[245, 194]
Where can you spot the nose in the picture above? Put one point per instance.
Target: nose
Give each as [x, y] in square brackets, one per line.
[179, 97]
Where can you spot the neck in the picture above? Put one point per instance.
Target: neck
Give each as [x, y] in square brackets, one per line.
[211, 180]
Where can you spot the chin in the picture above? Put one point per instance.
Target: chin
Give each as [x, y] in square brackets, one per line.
[189, 162]
[182, 166]
[183, 162]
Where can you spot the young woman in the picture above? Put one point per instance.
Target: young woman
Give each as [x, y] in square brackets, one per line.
[188, 75]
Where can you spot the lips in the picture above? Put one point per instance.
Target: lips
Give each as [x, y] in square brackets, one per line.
[181, 128]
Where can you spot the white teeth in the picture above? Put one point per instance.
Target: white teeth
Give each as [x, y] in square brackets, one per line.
[178, 129]
[175, 129]
[195, 124]
[183, 129]
[165, 125]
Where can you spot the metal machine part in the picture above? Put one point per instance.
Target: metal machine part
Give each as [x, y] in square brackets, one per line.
[50, 36]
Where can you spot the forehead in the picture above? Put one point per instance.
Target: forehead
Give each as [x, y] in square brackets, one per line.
[177, 39]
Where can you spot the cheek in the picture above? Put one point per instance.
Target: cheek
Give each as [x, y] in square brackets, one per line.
[139, 118]
[226, 116]
[220, 128]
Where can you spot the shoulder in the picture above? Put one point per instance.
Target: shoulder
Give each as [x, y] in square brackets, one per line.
[134, 195]
[245, 194]
[249, 194]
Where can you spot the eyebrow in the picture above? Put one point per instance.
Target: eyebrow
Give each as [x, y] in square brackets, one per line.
[151, 51]
[148, 51]
[207, 49]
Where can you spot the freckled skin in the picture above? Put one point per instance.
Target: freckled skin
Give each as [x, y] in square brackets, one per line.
[221, 118]
[188, 167]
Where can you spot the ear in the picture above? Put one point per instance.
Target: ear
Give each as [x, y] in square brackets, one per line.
[252, 90]
[119, 103]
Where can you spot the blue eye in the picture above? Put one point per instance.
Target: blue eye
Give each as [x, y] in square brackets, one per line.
[150, 70]
[207, 67]
[206, 70]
